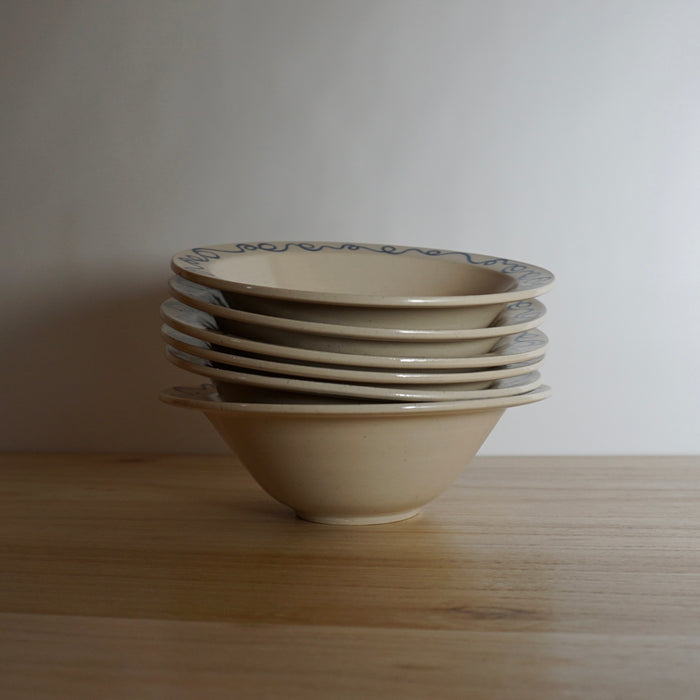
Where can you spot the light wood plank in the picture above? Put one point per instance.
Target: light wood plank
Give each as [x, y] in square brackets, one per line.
[530, 577]
[54, 657]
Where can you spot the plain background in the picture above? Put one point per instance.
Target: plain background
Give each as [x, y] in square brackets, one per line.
[563, 133]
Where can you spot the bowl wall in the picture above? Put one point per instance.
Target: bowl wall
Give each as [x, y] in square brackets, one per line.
[355, 469]
[360, 346]
[419, 318]
[228, 390]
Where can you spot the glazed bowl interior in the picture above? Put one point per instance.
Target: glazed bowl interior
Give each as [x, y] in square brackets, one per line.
[363, 273]
[359, 321]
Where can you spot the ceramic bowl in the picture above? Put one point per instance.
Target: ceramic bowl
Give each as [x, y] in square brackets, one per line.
[352, 464]
[508, 350]
[479, 379]
[228, 380]
[355, 278]
[516, 317]
[355, 339]
[362, 274]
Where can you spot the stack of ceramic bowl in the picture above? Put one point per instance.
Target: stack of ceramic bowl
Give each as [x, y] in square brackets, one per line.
[355, 381]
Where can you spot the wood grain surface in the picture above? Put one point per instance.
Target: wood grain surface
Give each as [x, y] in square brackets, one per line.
[177, 577]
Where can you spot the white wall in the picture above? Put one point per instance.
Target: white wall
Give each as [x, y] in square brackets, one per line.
[564, 133]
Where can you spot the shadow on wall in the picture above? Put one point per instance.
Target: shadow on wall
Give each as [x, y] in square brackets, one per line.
[84, 375]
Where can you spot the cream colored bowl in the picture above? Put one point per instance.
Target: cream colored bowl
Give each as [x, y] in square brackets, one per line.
[517, 317]
[478, 379]
[418, 318]
[355, 339]
[357, 276]
[228, 380]
[352, 464]
[522, 347]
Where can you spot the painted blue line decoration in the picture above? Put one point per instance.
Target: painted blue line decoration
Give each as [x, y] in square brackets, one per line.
[196, 259]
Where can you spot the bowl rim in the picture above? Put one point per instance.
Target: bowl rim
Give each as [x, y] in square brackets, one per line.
[195, 264]
[183, 341]
[534, 342]
[205, 398]
[505, 324]
[507, 386]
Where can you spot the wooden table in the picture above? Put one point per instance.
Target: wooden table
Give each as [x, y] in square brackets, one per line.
[177, 577]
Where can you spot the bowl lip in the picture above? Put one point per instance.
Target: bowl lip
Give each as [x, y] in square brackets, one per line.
[205, 398]
[502, 353]
[181, 340]
[507, 386]
[507, 325]
[194, 264]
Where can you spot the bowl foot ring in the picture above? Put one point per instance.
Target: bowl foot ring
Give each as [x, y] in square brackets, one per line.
[378, 519]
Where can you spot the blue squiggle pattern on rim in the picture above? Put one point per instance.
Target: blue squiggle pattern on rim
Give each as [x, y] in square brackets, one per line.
[523, 311]
[196, 259]
[528, 340]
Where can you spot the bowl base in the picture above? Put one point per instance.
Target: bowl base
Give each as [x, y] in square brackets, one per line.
[358, 519]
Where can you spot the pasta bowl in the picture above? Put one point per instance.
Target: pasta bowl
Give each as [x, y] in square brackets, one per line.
[363, 284]
[228, 380]
[333, 337]
[352, 464]
[510, 349]
[478, 379]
